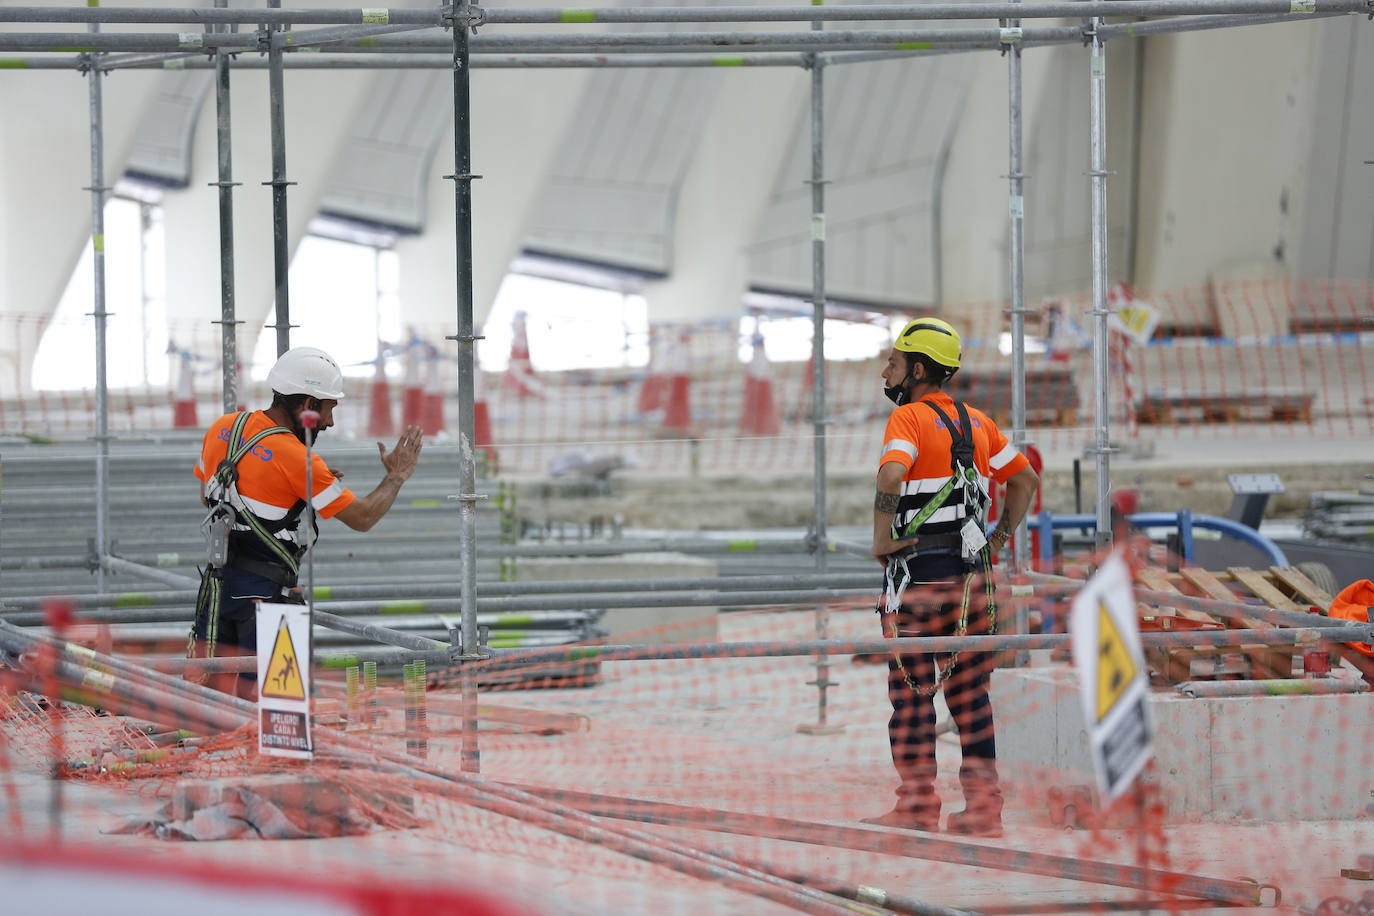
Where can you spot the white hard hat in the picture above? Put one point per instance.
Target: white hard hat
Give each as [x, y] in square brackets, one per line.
[307, 370]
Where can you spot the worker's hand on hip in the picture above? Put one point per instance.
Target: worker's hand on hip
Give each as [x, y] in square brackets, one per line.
[884, 546]
[402, 459]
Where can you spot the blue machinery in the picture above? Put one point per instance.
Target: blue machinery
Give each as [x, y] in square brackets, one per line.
[1184, 521]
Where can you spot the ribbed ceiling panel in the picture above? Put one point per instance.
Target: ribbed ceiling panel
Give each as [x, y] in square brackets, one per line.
[166, 129]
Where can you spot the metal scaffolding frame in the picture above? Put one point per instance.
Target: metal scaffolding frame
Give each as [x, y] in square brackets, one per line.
[386, 38]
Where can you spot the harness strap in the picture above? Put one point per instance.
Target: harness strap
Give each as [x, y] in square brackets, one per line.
[226, 475]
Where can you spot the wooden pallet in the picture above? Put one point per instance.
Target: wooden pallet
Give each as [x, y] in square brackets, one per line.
[1235, 407]
[1284, 588]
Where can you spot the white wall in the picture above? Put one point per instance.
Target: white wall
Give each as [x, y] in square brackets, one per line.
[726, 191]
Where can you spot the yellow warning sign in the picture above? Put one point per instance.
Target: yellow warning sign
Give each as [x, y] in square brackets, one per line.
[1115, 669]
[283, 671]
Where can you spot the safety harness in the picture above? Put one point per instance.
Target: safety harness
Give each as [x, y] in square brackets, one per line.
[228, 522]
[970, 543]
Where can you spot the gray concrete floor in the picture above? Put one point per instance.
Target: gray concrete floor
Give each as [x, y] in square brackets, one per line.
[721, 734]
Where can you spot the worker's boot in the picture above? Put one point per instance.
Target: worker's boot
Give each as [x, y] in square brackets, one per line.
[982, 814]
[918, 807]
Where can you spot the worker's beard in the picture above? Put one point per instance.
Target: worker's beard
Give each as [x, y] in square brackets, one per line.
[299, 430]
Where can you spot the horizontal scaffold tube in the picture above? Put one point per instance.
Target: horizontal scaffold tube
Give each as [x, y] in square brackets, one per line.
[434, 17]
[770, 649]
[622, 42]
[401, 590]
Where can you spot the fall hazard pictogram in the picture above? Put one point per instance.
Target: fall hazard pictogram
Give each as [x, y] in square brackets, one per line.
[283, 670]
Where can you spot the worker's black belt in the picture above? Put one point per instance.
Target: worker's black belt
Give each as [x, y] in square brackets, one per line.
[933, 543]
[270, 571]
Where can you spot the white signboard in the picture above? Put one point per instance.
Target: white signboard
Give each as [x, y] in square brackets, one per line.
[284, 680]
[1111, 676]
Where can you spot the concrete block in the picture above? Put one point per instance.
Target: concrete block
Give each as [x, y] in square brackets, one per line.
[1263, 758]
[288, 792]
[666, 624]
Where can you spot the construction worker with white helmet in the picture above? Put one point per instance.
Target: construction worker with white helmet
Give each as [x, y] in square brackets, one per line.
[938, 460]
[253, 477]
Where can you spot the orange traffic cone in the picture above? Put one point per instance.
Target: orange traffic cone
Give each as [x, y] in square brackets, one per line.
[653, 391]
[412, 395]
[759, 416]
[519, 378]
[481, 415]
[432, 398]
[677, 414]
[184, 400]
[379, 422]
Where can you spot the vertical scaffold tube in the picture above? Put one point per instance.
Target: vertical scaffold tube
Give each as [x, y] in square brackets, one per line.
[1016, 213]
[281, 256]
[228, 319]
[102, 389]
[1097, 127]
[467, 455]
[818, 399]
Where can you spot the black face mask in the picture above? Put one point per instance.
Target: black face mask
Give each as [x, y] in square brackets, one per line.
[298, 427]
[896, 395]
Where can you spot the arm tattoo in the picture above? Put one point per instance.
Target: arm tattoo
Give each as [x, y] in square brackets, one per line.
[886, 502]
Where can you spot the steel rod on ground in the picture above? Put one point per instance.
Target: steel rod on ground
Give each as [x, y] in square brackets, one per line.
[912, 844]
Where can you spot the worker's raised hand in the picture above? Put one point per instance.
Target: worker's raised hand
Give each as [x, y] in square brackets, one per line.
[401, 461]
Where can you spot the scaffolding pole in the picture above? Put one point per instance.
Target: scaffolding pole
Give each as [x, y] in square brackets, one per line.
[102, 389]
[281, 254]
[225, 184]
[434, 17]
[462, 177]
[1097, 130]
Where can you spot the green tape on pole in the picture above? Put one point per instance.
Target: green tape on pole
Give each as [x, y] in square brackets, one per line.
[403, 607]
[744, 545]
[728, 61]
[13, 63]
[376, 16]
[515, 640]
[915, 45]
[578, 654]
[323, 592]
[341, 661]
[577, 16]
[74, 49]
[132, 599]
[427, 503]
[514, 620]
[92, 2]
[98, 243]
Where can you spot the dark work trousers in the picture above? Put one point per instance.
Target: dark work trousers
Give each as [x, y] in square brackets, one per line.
[237, 626]
[939, 579]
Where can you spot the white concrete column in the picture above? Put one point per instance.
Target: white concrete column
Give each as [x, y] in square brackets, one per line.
[320, 108]
[1226, 125]
[45, 215]
[519, 118]
[726, 191]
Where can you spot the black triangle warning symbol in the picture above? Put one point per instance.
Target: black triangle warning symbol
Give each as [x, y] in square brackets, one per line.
[283, 671]
[1115, 669]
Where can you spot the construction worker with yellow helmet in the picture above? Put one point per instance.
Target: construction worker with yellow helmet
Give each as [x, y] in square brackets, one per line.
[253, 477]
[939, 458]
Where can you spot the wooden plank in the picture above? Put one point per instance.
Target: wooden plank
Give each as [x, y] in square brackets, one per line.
[1263, 590]
[1158, 580]
[1268, 661]
[1302, 586]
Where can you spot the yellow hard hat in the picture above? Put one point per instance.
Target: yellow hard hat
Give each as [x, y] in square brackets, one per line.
[933, 337]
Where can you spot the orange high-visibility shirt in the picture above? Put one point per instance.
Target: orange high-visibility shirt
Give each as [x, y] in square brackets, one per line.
[916, 438]
[271, 477]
